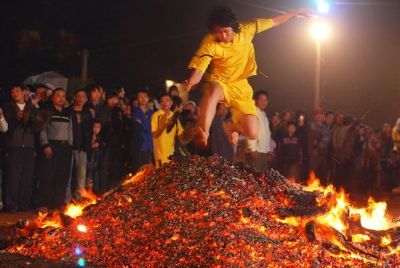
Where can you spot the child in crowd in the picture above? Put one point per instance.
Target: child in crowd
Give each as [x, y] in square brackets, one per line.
[94, 156]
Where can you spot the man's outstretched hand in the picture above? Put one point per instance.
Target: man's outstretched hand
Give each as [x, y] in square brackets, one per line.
[188, 86]
[194, 79]
[304, 13]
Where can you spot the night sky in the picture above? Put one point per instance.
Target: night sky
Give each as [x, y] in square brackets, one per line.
[138, 43]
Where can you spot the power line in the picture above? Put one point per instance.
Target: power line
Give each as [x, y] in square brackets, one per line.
[279, 11]
[339, 3]
[367, 3]
[262, 7]
[146, 43]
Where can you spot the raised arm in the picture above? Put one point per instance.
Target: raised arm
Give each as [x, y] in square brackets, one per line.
[281, 19]
[194, 79]
[200, 62]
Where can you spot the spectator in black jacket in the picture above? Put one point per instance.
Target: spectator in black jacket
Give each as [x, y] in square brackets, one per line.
[110, 116]
[289, 152]
[81, 129]
[42, 94]
[20, 148]
[3, 129]
[218, 140]
[55, 163]
[95, 103]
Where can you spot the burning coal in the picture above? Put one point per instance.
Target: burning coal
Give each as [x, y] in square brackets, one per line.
[205, 212]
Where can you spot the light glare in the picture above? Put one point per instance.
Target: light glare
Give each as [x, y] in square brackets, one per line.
[169, 83]
[320, 30]
[81, 228]
[323, 7]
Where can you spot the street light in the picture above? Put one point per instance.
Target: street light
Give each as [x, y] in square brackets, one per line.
[320, 30]
[169, 83]
[323, 6]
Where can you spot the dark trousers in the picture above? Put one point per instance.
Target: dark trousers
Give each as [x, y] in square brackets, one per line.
[259, 163]
[19, 182]
[92, 172]
[110, 168]
[319, 164]
[343, 174]
[141, 159]
[54, 176]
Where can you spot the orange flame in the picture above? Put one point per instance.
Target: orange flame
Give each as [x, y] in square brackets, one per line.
[75, 211]
[373, 217]
[360, 238]
[141, 174]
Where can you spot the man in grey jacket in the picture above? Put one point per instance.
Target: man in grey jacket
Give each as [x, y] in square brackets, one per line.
[55, 163]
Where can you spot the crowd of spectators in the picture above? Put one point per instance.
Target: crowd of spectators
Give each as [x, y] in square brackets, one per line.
[54, 148]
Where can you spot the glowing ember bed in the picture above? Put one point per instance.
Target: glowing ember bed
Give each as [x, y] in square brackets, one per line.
[205, 212]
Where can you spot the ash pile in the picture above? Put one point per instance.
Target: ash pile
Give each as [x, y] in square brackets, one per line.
[205, 212]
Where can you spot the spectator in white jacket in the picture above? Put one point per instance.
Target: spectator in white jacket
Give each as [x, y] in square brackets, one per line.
[259, 150]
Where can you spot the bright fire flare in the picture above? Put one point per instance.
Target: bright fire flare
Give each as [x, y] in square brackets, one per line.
[82, 228]
[334, 217]
[374, 216]
[75, 211]
[360, 238]
[141, 174]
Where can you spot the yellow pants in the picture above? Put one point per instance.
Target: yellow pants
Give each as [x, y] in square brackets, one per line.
[239, 97]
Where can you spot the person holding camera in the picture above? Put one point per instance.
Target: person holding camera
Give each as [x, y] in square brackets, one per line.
[20, 150]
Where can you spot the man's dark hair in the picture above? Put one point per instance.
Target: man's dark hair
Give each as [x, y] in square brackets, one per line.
[224, 17]
[17, 85]
[119, 88]
[58, 89]
[111, 94]
[97, 121]
[92, 87]
[145, 91]
[291, 123]
[37, 86]
[260, 93]
[173, 88]
[177, 101]
[329, 113]
[164, 95]
[79, 90]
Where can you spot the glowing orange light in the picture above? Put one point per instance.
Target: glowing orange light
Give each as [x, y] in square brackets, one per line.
[82, 228]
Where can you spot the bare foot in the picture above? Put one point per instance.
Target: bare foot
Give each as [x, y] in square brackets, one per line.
[233, 136]
[202, 137]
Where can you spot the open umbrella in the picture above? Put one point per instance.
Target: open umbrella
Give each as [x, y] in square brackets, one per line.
[50, 79]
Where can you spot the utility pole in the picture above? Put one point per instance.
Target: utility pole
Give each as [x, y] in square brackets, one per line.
[85, 59]
[317, 96]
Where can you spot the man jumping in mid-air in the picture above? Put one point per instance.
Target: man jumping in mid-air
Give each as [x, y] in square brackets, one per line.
[226, 59]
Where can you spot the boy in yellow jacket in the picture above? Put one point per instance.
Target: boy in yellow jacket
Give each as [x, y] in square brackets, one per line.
[225, 59]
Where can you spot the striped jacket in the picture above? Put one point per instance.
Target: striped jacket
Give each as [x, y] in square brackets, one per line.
[59, 127]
